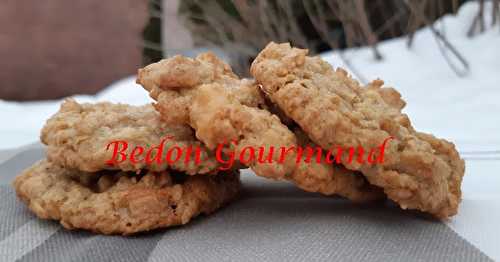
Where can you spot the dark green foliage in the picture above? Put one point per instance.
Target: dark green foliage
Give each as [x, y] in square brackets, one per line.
[152, 35]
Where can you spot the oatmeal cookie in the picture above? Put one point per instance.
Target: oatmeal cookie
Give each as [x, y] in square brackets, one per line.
[419, 171]
[208, 96]
[78, 137]
[117, 202]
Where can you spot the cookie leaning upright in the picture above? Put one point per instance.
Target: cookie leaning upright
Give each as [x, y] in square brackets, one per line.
[205, 94]
[116, 202]
[78, 137]
[419, 172]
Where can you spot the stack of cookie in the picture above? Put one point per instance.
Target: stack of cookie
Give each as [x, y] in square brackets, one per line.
[79, 187]
[294, 101]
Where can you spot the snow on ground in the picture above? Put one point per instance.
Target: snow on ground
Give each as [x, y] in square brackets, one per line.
[22, 121]
[465, 110]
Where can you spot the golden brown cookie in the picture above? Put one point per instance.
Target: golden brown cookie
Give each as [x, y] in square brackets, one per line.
[223, 109]
[116, 202]
[418, 171]
[87, 136]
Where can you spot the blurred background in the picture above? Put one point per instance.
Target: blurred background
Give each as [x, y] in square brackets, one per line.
[55, 48]
[442, 55]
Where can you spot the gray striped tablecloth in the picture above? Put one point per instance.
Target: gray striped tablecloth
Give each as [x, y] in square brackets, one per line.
[271, 222]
